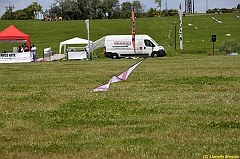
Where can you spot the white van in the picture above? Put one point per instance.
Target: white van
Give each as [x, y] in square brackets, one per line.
[118, 46]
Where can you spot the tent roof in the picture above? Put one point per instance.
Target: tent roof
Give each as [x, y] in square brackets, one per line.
[13, 34]
[75, 40]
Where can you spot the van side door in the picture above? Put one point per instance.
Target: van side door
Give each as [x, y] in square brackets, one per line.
[139, 46]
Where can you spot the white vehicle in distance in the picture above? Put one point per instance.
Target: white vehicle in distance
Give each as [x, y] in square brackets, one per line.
[119, 46]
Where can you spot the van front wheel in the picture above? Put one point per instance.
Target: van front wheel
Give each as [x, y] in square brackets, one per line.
[162, 53]
[155, 54]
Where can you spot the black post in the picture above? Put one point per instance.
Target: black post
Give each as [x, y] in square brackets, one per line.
[214, 39]
[175, 24]
[213, 48]
[175, 37]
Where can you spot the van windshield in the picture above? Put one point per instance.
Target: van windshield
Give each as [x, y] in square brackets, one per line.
[154, 42]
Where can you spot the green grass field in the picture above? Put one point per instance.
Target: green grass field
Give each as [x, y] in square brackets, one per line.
[179, 106]
[50, 34]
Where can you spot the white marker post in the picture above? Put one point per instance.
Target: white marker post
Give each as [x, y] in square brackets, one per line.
[180, 28]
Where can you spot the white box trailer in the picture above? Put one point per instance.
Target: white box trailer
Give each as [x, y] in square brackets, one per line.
[118, 46]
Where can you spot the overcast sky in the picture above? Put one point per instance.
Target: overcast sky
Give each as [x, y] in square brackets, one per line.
[200, 5]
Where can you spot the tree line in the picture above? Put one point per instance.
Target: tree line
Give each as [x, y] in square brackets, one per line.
[30, 12]
[77, 9]
[90, 9]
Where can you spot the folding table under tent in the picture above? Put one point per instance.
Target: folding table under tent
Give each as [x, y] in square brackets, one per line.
[74, 54]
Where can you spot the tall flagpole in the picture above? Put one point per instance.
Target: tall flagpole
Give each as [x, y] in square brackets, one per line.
[180, 28]
[88, 29]
[133, 30]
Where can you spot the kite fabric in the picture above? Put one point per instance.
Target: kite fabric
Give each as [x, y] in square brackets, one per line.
[122, 77]
[133, 30]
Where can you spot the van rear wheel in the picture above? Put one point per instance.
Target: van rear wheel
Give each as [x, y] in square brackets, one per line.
[155, 54]
[115, 56]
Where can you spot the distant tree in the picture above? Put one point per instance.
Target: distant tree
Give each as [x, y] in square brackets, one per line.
[33, 10]
[36, 8]
[55, 10]
[84, 9]
[46, 13]
[30, 12]
[116, 12]
[110, 7]
[137, 8]
[126, 8]
[75, 12]
[20, 15]
[8, 15]
[68, 9]
[238, 6]
[172, 12]
[96, 12]
[151, 12]
[77, 9]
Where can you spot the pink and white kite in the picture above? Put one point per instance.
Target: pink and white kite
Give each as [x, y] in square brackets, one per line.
[122, 77]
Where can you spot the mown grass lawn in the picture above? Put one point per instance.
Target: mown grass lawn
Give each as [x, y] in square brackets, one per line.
[171, 107]
[179, 106]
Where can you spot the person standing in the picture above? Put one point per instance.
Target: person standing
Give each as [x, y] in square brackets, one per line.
[33, 52]
[22, 49]
[4, 51]
[34, 48]
[19, 48]
[106, 15]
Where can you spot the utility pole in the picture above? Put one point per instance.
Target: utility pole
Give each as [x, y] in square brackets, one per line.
[9, 10]
[206, 5]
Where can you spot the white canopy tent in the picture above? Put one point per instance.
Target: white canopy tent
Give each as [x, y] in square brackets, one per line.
[75, 40]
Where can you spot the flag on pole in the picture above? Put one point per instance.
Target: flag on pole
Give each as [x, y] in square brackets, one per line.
[88, 30]
[133, 30]
[122, 77]
[87, 24]
[180, 28]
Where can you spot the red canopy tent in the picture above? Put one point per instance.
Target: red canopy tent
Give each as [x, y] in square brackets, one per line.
[12, 34]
